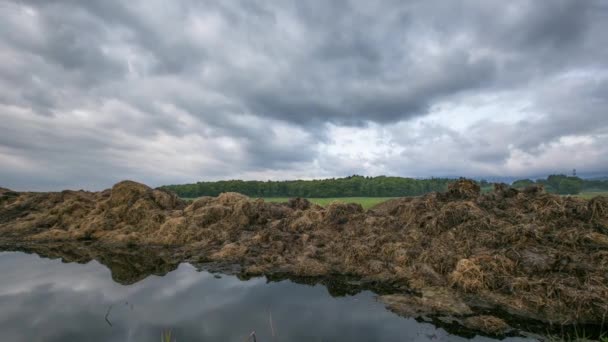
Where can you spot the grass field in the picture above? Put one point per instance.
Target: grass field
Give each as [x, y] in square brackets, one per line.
[366, 202]
[589, 195]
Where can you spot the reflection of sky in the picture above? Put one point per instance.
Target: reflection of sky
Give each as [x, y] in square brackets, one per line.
[46, 300]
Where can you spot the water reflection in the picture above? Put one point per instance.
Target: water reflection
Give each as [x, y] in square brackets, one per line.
[126, 265]
[47, 300]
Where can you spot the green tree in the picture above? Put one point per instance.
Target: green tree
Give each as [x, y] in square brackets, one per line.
[570, 186]
[522, 183]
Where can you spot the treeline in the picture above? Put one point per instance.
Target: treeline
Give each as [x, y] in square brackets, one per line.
[565, 185]
[360, 186]
[353, 186]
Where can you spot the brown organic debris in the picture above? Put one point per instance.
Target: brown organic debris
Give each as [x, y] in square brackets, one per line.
[488, 324]
[529, 253]
[431, 301]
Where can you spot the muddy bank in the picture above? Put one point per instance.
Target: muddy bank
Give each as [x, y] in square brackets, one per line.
[526, 253]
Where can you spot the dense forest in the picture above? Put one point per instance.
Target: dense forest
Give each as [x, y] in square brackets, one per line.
[353, 186]
[360, 186]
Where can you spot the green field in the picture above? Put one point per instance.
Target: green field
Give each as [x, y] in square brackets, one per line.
[366, 202]
[591, 194]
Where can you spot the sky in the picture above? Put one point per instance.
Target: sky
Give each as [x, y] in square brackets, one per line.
[168, 92]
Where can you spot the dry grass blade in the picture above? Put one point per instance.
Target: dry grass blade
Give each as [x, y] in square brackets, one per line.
[167, 336]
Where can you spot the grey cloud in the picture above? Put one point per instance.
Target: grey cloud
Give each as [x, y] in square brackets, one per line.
[532, 25]
[224, 74]
[355, 65]
[265, 153]
[570, 110]
[320, 91]
[71, 42]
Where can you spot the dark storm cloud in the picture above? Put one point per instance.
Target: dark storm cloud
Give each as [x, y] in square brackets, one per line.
[72, 43]
[221, 82]
[342, 100]
[356, 63]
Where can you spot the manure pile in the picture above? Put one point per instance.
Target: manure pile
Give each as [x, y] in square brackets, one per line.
[458, 254]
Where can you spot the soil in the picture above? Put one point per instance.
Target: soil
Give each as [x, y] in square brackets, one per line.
[524, 253]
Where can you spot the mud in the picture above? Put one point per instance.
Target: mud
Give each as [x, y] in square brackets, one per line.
[461, 254]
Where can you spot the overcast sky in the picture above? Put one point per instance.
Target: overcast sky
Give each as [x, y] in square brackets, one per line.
[93, 92]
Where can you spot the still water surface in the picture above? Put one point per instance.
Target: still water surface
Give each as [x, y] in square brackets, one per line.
[47, 300]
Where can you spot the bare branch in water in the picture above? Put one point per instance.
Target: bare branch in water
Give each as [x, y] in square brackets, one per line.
[251, 337]
[271, 325]
[108, 314]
